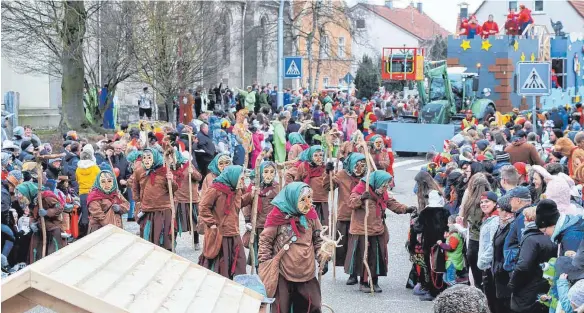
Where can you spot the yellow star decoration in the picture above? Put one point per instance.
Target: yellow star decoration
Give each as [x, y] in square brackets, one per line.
[465, 45]
[532, 57]
[516, 45]
[522, 57]
[486, 45]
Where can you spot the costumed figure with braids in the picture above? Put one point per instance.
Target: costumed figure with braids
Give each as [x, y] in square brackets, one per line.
[181, 170]
[267, 191]
[380, 155]
[378, 236]
[217, 165]
[312, 172]
[292, 171]
[27, 195]
[241, 131]
[219, 208]
[150, 188]
[298, 144]
[105, 202]
[354, 167]
[288, 247]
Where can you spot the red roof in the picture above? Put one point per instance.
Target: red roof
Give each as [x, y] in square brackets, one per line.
[410, 20]
[578, 6]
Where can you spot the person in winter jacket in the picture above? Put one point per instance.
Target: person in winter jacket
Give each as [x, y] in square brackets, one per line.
[500, 275]
[70, 163]
[519, 199]
[105, 202]
[558, 190]
[485, 255]
[567, 231]
[431, 225]
[524, 18]
[85, 175]
[511, 25]
[521, 151]
[527, 280]
[453, 245]
[249, 96]
[490, 27]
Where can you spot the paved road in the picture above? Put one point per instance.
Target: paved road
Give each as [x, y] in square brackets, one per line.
[347, 299]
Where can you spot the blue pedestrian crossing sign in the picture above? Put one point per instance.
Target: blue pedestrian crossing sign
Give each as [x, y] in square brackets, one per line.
[534, 78]
[293, 67]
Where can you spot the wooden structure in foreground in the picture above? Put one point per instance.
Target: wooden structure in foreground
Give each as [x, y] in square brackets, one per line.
[113, 271]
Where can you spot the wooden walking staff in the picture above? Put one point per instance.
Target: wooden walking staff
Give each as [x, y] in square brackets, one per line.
[332, 211]
[366, 250]
[169, 157]
[191, 188]
[254, 211]
[39, 159]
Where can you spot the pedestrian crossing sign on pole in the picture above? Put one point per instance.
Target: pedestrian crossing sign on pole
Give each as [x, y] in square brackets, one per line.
[293, 67]
[534, 79]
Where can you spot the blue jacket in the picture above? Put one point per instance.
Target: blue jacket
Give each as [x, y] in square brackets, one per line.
[563, 286]
[569, 233]
[511, 245]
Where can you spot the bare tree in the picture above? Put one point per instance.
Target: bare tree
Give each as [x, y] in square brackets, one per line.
[47, 37]
[174, 42]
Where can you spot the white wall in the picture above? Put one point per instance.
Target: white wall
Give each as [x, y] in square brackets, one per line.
[557, 10]
[378, 33]
[34, 90]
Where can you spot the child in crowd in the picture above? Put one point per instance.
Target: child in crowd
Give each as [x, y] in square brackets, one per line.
[453, 246]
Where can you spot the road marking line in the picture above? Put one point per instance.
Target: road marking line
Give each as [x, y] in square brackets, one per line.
[417, 167]
[406, 162]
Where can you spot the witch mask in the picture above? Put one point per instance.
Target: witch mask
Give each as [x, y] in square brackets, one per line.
[147, 159]
[318, 158]
[223, 162]
[305, 200]
[360, 168]
[106, 182]
[268, 175]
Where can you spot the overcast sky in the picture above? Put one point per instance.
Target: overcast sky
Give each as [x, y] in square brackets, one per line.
[442, 11]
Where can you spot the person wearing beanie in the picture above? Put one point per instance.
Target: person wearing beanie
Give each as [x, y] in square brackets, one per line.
[565, 230]
[85, 175]
[488, 229]
[527, 281]
[461, 299]
[502, 159]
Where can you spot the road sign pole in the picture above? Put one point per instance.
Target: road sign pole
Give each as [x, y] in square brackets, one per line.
[281, 55]
[534, 113]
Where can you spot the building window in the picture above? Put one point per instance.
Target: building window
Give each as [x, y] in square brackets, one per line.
[513, 6]
[325, 81]
[341, 48]
[325, 47]
[360, 24]
[560, 65]
[538, 6]
[341, 81]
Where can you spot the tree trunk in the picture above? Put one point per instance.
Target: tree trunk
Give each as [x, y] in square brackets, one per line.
[321, 45]
[73, 116]
[170, 116]
[309, 45]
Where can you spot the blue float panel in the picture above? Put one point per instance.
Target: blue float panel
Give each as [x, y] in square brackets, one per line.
[414, 137]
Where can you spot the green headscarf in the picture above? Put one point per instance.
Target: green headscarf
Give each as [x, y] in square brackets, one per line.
[378, 178]
[373, 138]
[287, 200]
[97, 185]
[29, 190]
[304, 156]
[296, 138]
[311, 151]
[180, 159]
[214, 165]
[133, 156]
[157, 163]
[230, 176]
[351, 161]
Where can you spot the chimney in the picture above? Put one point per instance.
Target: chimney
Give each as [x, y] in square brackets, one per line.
[419, 5]
[389, 4]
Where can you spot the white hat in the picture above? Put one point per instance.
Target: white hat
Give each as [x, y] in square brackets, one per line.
[435, 200]
[9, 145]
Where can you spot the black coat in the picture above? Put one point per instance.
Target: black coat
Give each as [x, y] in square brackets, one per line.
[119, 161]
[431, 223]
[205, 143]
[526, 280]
[500, 275]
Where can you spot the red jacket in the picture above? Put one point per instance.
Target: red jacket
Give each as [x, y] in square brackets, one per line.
[490, 28]
[512, 27]
[525, 16]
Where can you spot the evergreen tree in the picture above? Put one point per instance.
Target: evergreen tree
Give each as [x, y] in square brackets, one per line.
[367, 78]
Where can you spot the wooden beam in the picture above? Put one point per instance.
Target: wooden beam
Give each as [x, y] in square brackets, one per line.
[185, 291]
[17, 304]
[249, 304]
[208, 295]
[15, 283]
[71, 294]
[50, 302]
[68, 253]
[230, 299]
